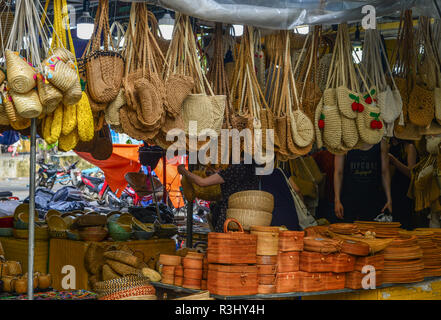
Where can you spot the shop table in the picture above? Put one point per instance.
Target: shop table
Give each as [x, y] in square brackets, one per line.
[71, 253]
[429, 289]
[17, 250]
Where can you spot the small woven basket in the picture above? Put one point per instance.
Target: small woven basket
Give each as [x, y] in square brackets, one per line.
[20, 74]
[28, 104]
[250, 218]
[50, 96]
[63, 76]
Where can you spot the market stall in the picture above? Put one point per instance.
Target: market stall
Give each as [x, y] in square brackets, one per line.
[295, 93]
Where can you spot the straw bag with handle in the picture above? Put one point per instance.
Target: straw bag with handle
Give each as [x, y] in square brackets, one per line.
[388, 100]
[104, 68]
[103, 147]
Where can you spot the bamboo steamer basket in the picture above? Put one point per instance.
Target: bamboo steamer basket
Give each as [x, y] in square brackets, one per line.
[178, 281]
[195, 255]
[248, 217]
[291, 240]
[232, 247]
[168, 279]
[287, 282]
[266, 260]
[266, 288]
[169, 260]
[232, 280]
[288, 261]
[353, 279]
[190, 263]
[179, 271]
[377, 261]
[195, 274]
[266, 269]
[266, 279]
[168, 271]
[267, 241]
[191, 283]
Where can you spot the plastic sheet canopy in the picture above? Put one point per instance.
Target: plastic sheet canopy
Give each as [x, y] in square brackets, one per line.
[287, 14]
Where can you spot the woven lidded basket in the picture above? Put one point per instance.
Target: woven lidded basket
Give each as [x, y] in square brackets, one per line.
[250, 218]
[252, 202]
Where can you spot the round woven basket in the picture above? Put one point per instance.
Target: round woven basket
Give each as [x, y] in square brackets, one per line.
[20, 73]
[50, 96]
[250, 218]
[251, 203]
[63, 76]
[252, 193]
[28, 104]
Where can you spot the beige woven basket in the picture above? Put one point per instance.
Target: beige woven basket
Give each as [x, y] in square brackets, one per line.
[178, 87]
[50, 96]
[20, 74]
[344, 102]
[73, 95]
[267, 243]
[252, 193]
[111, 114]
[64, 54]
[303, 130]
[28, 104]
[252, 203]
[349, 132]
[364, 119]
[332, 133]
[219, 103]
[250, 218]
[63, 76]
[199, 108]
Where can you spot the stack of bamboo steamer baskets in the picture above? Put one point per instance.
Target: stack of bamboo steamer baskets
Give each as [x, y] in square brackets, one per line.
[288, 260]
[431, 252]
[168, 264]
[192, 266]
[231, 258]
[251, 208]
[267, 245]
[403, 261]
[204, 273]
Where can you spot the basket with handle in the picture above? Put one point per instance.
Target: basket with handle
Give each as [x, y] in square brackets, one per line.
[104, 68]
[28, 104]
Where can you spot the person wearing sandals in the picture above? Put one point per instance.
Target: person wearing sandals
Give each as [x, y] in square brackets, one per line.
[362, 183]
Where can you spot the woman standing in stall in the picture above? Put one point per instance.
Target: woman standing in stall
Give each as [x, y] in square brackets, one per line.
[362, 183]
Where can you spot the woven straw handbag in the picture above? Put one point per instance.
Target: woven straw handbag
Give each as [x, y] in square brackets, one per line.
[50, 96]
[104, 68]
[28, 104]
[111, 113]
[421, 106]
[103, 147]
[63, 75]
[21, 76]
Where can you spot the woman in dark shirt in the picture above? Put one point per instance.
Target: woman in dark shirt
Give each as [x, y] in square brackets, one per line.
[236, 178]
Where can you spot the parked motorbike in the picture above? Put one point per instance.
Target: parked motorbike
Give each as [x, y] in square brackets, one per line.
[97, 189]
[47, 175]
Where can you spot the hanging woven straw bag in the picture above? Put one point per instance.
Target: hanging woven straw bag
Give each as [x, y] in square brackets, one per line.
[62, 76]
[317, 118]
[178, 87]
[103, 147]
[349, 132]
[50, 96]
[421, 106]
[28, 104]
[21, 76]
[112, 112]
[73, 95]
[370, 125]
[64, 54]
[104, 68]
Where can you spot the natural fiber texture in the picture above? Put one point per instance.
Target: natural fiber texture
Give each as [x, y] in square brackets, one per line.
[421, 106]
[366, 120]
[63, 76]
[69, 119]
[349, 132]
[103, 147]
[112, 110]
[50, 96]
[178, 87]
[20, 73]
[332, 132]
[28, 104]
[73, 95]
[250, 218]
[84, 119]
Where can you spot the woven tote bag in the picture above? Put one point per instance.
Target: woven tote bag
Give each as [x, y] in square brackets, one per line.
[103, 147]
[63, 76]
[50, 96]
[349, 132]
[369, 124]
[421, 108]
[111, 113]
[332, 132]
[28, 104]
[21, 76]
[104, 68]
